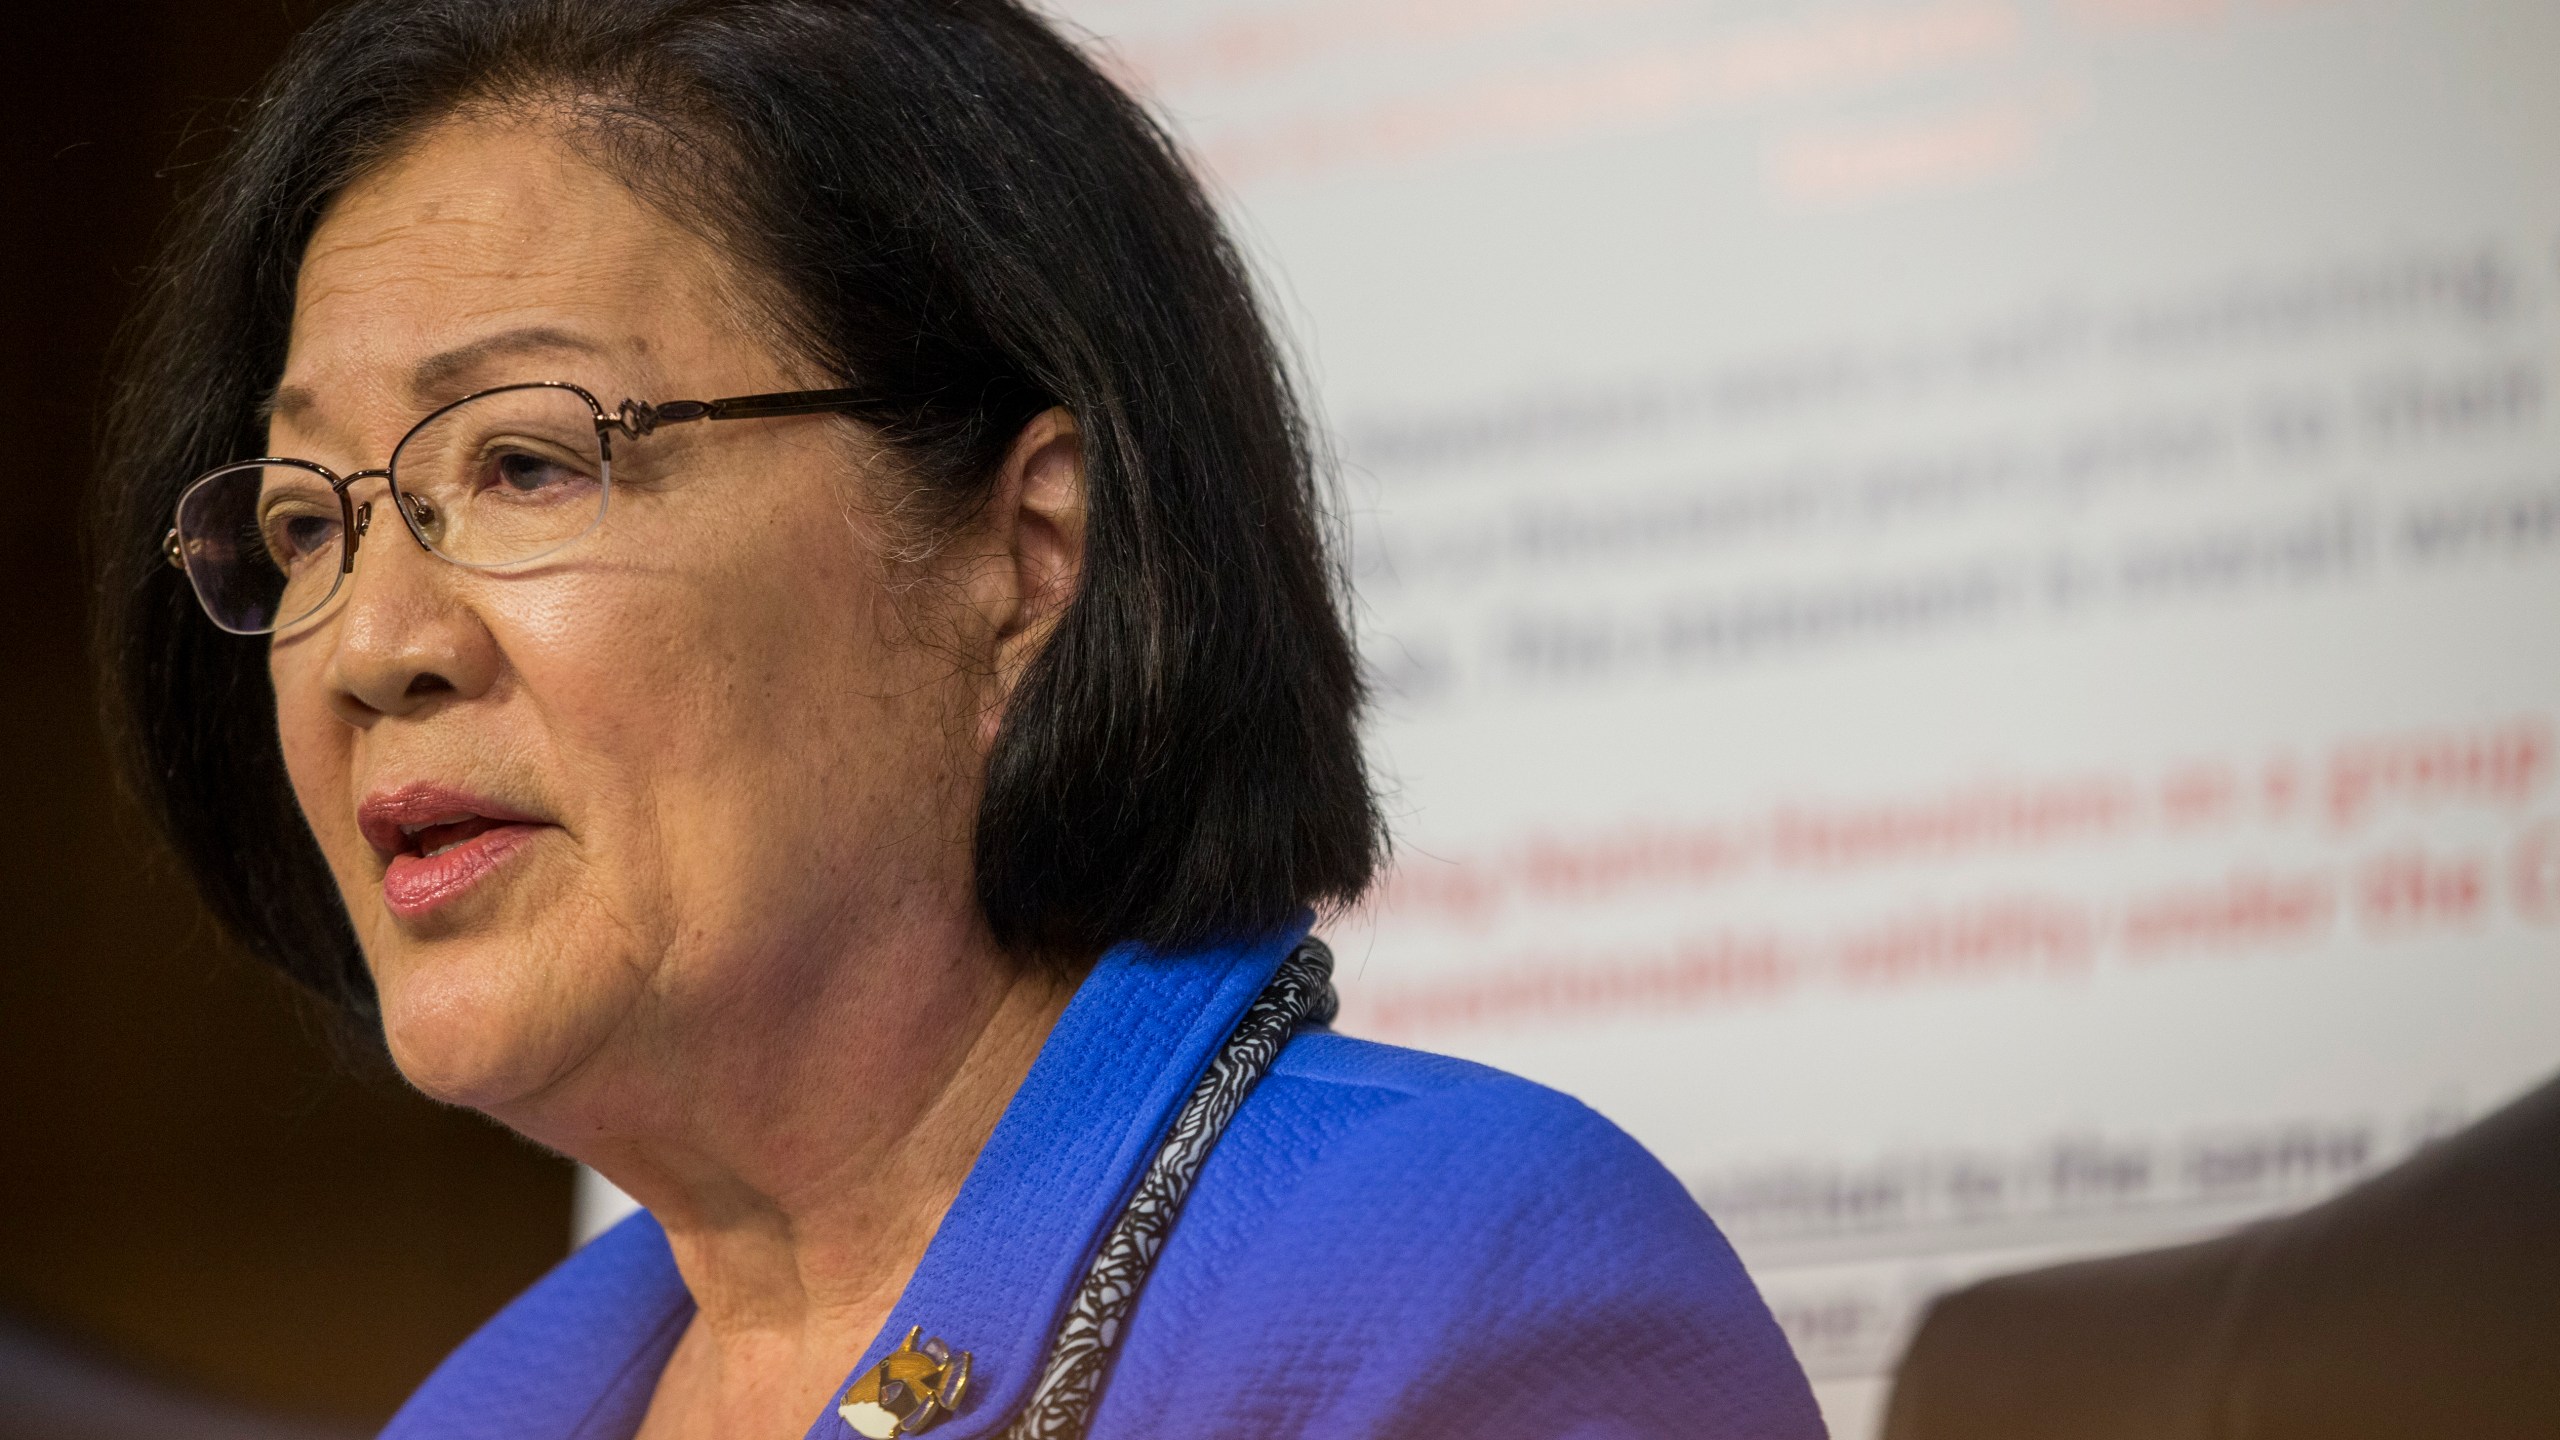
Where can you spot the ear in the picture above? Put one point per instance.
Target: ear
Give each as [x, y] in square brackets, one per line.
[1035, 517]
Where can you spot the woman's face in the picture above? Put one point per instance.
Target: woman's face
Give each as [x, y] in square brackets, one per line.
[677, 772]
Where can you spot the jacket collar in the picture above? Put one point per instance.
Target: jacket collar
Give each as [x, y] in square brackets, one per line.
[1068, 1151]
[1070, 1148]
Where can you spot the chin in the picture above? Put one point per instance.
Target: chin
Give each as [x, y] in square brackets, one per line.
[478, 1030]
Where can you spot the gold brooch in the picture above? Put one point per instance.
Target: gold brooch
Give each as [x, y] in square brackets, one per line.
[908, 1392]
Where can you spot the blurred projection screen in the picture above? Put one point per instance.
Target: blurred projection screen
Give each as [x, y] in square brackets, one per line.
[1965, 594]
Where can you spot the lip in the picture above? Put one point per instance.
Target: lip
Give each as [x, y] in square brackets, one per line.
[471, 837]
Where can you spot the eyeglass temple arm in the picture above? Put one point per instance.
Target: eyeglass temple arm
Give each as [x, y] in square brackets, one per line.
[636, 419]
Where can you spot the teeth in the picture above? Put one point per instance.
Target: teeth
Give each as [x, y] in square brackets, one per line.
[411, 831]
[440, 850]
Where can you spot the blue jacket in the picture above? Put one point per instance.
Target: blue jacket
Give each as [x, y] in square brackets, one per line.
[1384, 1244]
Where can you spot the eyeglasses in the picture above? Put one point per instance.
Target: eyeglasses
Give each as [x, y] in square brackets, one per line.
[499, 477]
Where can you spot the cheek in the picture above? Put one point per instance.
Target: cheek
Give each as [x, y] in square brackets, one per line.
[774, 706]
[782, 619]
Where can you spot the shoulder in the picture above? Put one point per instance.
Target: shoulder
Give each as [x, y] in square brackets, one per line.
[2450, 1253]
[2059, 1351]
[1387, 1127]
[1374, 1093]
[1390, 1242]
[1407, 1154]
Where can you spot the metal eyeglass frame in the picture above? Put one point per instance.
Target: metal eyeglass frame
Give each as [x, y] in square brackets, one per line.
[634, 418]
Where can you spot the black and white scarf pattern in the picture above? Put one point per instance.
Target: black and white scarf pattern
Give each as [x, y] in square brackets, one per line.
[1061, 1406]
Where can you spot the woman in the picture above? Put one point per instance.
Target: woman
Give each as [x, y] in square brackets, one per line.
[776, 641]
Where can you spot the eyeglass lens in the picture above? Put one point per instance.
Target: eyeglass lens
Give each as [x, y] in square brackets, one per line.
[500, 479]
[506, 477]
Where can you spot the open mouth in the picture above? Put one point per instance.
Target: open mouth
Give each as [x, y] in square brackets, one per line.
[437, 843]
[441, 859]
[435, 837]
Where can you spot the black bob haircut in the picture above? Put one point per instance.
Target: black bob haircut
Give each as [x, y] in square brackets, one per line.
[957, 212]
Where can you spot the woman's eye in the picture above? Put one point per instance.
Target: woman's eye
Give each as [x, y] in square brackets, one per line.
[297, 539]
[529, 474]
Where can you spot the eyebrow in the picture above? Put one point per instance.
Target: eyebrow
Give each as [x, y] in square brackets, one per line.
[437, 377]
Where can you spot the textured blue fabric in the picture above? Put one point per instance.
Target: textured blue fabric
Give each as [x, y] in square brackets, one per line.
[1385, 1244]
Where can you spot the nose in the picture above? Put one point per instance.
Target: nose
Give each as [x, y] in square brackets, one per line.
[405, 636]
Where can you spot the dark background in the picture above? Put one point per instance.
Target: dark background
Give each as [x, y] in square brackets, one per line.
[190, 1186]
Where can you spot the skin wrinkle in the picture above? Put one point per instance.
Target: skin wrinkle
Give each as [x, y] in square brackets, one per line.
[432, 380]
[744, 974]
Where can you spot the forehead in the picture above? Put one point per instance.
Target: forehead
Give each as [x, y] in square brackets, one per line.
[496, 230]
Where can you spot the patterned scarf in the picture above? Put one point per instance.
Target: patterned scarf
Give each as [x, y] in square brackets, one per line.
[1061, 1406]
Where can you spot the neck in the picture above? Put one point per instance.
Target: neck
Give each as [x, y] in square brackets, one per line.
[800, 1155]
